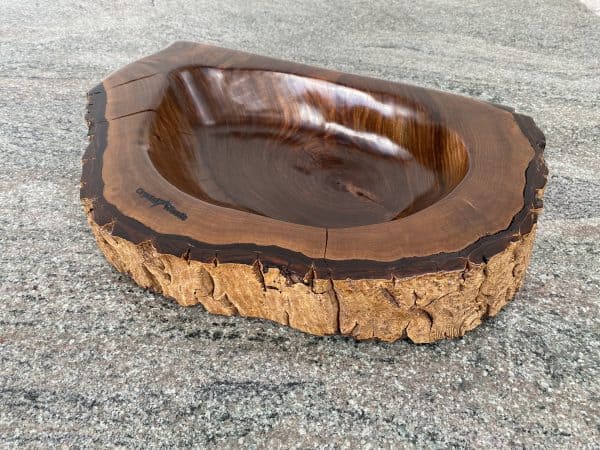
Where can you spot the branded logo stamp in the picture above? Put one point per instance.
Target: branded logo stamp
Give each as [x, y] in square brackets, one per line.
[166, 204]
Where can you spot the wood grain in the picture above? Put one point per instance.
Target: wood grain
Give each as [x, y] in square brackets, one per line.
[220, 157]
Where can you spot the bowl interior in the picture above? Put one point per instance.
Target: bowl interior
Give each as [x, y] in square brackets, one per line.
[300, 149]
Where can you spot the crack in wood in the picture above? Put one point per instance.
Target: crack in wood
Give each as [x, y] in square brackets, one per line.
[338, 309]
[257, 267]
[134, 80]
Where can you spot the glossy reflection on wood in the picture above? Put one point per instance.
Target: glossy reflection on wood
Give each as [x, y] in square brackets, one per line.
[326, 201]
[301, 150]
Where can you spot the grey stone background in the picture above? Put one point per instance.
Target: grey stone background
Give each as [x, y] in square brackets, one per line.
[89, 359]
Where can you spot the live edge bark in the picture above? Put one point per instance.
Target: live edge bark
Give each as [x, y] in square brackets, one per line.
[423, 308]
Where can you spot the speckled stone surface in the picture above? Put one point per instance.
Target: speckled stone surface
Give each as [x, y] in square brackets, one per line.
[89, 359]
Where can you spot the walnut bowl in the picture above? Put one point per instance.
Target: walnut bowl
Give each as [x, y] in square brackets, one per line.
[328, 202]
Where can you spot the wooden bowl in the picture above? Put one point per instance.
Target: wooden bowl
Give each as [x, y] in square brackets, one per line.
[329, 202]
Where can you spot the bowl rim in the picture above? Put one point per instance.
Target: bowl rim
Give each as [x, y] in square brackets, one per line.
[120, 123]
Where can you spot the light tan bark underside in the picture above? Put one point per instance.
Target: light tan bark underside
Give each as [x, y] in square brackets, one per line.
[424, 308]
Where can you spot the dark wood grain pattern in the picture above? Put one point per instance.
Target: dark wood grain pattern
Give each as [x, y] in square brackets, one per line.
[219, 156]
[301, 150]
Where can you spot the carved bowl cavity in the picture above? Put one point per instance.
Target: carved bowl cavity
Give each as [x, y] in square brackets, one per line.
[300, 149]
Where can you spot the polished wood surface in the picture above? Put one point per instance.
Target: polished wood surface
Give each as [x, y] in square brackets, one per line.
[301, 150]
[211, 153]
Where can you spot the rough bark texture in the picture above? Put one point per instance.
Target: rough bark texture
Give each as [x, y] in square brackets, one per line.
[423, 308]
